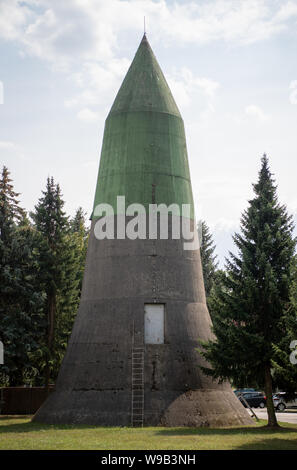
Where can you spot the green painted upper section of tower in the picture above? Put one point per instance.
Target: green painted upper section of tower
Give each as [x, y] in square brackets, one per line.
[144, 153]
[144, 87]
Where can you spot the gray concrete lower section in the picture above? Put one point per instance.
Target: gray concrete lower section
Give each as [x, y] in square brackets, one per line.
[196, 408]
[94, 383]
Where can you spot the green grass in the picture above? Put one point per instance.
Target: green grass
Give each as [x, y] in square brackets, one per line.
[21, 433]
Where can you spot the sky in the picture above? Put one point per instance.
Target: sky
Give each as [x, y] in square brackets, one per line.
[231, 66]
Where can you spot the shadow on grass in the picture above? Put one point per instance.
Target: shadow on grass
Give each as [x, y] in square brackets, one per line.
[226, 431]
[270, 444]
[203, 431]
[35, 427]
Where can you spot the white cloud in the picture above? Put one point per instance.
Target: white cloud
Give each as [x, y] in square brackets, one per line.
[293, 94]
[88, 115]
[97, 81]
[13, 19]
[224, 224]
[287, 11]
[63, 32]
[256, 112]
[184, 85]
[8, 148]
[90, 163]
[81, 37]
[7, 145]
[229, 20]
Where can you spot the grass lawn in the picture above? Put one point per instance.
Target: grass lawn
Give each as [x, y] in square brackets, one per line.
[21, 433]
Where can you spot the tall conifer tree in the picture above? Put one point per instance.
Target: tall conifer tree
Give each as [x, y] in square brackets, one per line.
[20, 300]
[81, 235]
[208, 256]
[10, 210]
[284, 365]
[250, 304]
[62, 245]
[53, 226]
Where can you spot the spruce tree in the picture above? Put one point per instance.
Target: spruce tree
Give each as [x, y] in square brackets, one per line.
[70, 289]
[208, 256]
[67, 299]
[81, 234]
[78, 222]
[250, 304]
[10, 210]
[60, 261]
[52, 225]
[20, 301]
[284, 370]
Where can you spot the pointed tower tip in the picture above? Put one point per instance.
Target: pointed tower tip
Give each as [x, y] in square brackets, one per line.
[144, 87]
[144, 40]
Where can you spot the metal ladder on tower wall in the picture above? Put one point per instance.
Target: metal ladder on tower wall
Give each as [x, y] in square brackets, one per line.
[137, 405]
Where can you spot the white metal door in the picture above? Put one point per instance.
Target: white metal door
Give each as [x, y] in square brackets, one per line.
[154, 323]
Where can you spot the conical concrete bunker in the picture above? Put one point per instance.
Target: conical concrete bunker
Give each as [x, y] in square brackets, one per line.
[132, 357]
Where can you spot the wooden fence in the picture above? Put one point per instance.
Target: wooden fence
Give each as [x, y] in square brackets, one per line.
[21, 400]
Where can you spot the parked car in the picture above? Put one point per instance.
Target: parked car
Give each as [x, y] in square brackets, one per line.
[243, 390]
[283, 400]
[254, 399]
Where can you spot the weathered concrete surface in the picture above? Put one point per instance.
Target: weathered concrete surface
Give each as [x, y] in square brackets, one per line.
[144, 158]
[94, 384]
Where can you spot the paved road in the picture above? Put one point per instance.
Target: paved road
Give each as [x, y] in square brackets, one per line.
[282, 416]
